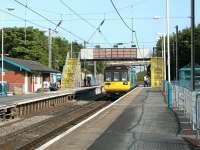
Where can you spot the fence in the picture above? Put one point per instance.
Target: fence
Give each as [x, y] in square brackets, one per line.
[184, 100]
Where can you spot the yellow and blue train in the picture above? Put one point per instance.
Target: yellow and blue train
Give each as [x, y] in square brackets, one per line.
[119, 79]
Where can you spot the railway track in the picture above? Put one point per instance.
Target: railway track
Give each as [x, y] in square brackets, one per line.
[37, 134]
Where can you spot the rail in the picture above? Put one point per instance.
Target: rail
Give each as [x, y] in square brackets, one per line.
[49, 128]
[25, 106]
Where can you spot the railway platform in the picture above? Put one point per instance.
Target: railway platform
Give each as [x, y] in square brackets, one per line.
[22, 105]
[18, 99]
[140, 120]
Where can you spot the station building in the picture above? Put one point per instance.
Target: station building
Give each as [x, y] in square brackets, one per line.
[185, 76]
[25, 76]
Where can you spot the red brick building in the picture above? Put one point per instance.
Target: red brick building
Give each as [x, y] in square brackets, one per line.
[25, 76]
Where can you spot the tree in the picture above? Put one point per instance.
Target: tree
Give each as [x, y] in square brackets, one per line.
[184, 48]
[36, 46]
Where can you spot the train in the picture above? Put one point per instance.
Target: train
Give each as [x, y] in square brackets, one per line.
[119, 79]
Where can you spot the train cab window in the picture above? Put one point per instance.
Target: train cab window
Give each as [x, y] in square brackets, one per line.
[124, 76]
[108, 76]
[116, 76]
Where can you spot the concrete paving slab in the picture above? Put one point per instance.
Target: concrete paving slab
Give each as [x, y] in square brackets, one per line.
[141, 121]
[150, 126]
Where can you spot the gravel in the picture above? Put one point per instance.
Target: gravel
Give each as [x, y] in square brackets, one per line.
[13, 125]
[5, 130]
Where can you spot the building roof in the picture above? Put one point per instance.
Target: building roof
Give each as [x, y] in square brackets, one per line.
[188, 67]
[29, 65]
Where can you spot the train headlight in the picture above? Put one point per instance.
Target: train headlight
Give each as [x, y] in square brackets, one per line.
[108, 83]
[125, 83]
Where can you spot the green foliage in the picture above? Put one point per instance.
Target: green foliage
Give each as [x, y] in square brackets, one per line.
[140, 77]
[36, 46]
[184, 48]
[100, 67]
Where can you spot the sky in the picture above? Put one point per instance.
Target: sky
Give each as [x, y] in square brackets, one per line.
[94, 11]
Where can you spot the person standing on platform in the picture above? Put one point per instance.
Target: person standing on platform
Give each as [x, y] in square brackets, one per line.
[145, 81]
[46, 84]
[88, 81]
[85, 82]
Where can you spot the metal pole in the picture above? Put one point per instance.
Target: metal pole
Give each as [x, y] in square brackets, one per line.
[84, 64]
[2, 51]
[71, 48]
[164, 42]
[169, 70]
[164, 53]
[162, 45]
[2, 58]
[177, 52]
[25, 25]
[192, 43]
[50, 48]
[132, 31]
[95, 71]
[153, 51]
[174, 56]
[168, 43]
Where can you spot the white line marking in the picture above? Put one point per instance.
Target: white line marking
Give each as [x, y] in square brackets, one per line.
[44, 146]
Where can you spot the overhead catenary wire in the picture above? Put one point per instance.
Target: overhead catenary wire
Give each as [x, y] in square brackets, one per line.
[85, 14]
[86, 21]
[126, 25]
[97, 29]
[108, 19]
[97, 13]
[77, 14]
[20, 18]
[47, 19]
[121, 16]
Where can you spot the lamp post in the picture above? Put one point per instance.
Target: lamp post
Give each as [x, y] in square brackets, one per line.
[168, 44]
[166, 22]
[2, 51]
[168, 53]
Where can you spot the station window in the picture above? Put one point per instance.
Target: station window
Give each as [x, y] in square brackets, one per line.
[124, 76]
[197, 73]
[108, 76]
[116, 76]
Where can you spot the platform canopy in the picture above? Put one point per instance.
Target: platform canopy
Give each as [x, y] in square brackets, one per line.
[115, 54]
